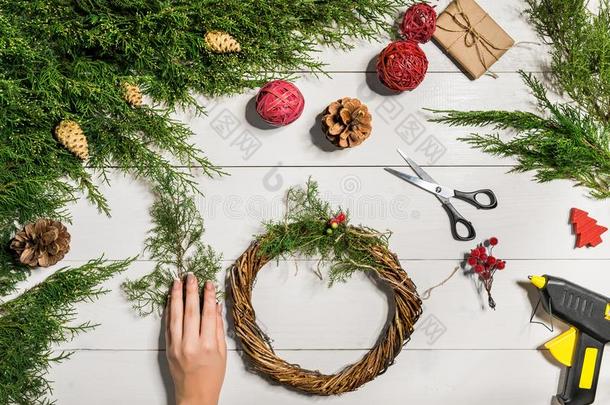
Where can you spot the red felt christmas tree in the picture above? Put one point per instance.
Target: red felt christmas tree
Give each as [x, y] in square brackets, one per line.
[587, 231]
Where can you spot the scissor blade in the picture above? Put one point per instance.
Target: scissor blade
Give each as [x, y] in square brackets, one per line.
[416, 168]
[433, 188]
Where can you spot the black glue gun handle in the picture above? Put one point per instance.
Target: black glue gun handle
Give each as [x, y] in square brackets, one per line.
[582, 377]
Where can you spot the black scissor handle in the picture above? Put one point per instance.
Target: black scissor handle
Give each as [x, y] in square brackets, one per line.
[455, 218]
[471, 198]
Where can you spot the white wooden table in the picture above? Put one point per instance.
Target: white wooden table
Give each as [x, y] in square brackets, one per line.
[461, 351]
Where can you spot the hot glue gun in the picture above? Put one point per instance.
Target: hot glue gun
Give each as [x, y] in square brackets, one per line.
[581, 347]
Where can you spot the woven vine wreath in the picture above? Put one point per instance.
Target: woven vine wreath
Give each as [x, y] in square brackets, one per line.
[310, 229]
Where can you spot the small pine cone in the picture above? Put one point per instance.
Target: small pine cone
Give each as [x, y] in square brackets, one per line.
[42, 243]
[347, 122]
[221, 42]
[71, 135]
[132, 94]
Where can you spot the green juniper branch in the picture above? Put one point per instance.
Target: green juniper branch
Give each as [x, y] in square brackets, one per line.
[175, 244]
[566, 144]
[580, 50]
[32, 323]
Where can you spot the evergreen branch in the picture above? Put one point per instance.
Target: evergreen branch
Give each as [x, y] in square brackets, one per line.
[580, 50]
[175, 244]
[567, 144]
[32, 323]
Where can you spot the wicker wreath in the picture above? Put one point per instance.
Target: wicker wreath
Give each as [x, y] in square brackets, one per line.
[255, 343]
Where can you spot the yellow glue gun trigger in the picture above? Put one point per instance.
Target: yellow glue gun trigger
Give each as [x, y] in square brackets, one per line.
[562, 347]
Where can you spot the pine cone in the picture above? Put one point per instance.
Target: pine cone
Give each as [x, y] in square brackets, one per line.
[221, 42]
[71, 135]
[347, 122]
[42, 243]
[132, 94]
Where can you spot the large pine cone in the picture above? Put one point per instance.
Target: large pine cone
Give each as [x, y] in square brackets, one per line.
[347, 122]
[42, 243]
[221, 42]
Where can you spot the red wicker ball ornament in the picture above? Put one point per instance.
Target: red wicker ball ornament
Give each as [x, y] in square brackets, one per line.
[419, 23]
[402, 65]
[279, 102]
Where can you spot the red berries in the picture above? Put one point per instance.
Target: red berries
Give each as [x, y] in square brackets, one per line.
[483, 262]
[334, 222]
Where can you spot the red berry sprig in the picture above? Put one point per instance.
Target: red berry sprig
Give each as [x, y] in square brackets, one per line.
[482, 261]
[335, 221]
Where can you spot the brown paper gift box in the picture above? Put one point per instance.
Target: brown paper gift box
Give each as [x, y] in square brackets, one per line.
[471, 37]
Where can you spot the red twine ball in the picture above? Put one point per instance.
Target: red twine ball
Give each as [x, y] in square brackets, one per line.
[279, 102]
[419, 23]
[402, 65]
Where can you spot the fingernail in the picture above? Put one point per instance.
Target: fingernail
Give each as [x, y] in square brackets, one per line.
[176, 283]
[209, 285]
[190, 277]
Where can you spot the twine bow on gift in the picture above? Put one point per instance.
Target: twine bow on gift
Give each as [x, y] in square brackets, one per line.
[472, 37]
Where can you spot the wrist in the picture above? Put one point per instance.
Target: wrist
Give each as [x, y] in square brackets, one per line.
[195, 397]
[195, 400]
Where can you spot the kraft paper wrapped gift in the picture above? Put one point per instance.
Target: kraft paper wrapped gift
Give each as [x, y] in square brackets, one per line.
[471, 37]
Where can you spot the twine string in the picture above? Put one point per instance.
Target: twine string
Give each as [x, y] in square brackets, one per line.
[428, 292]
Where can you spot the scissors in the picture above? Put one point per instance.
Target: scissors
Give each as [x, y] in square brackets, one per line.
[445, 194]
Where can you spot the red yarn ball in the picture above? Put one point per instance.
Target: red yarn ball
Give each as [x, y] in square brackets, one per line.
[279, 102]
[419, 23]
[402, 65]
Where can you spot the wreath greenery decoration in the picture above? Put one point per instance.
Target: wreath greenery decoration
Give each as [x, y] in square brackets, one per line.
[347, 249]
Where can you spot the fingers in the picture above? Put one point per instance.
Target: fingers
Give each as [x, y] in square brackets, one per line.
[175, 312]
[191, 310]
[208, 318]
[220, 331]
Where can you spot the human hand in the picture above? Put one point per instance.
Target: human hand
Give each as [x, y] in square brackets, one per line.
[195, 343]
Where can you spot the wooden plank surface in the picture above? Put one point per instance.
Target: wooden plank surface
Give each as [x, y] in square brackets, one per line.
[233, 135]
[460, 352]
[531, 219]
[422, 377]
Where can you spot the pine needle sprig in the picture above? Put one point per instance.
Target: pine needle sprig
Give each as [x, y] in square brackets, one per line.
[566, 143]
[580, 50]
[175, 243]
[303, 233]
[39, 318]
